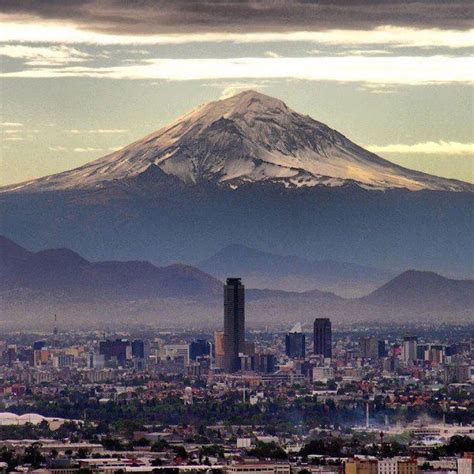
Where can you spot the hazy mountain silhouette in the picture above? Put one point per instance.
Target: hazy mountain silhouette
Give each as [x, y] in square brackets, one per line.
[269, 270]
[424, 291]
[56, 271]
[38, 284]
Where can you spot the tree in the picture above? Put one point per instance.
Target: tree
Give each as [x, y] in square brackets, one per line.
[33, 455]
[160, 445]
[268, 450]
[8, 455]
[180, 452]
[112, 444]
[82, 453]
[459, 444]
[213, 450]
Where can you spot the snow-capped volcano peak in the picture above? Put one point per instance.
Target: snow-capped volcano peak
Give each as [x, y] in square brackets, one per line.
[248, 138]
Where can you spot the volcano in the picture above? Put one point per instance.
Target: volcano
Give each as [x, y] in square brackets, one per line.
[247, 170]
[247, 138]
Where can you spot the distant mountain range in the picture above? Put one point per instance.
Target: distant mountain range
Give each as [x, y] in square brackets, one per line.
[62, 271]
[268, 270]
[247, 169]
[34, 285]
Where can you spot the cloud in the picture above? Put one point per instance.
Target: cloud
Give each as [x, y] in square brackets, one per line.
[427, 148]
[83, 149]
[147, 17]
[99, 131]
[272, 54]
[236, 87]
[106, 131]
[11, 124]
[393, 70]
[367, 52]
[12, 31]
[44, 55]
[87, 149]
[13, 139]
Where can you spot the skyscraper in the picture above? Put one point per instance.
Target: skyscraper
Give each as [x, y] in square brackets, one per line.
[138, 349]
[322, 337]
[234, 323]
[369, 347]
[198, 348]
[295, 343]
[120, 349]
[409, 349]
[219, 349]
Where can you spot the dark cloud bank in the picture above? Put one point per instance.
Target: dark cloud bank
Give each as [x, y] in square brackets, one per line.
[194, 16]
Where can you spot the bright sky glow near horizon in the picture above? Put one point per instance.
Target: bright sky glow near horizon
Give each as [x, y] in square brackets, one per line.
[80, 79]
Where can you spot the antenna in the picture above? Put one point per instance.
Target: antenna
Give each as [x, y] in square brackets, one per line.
[367, 419]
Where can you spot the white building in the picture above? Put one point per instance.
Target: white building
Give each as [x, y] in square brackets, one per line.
[175, 351]
[244, 443]
[323, 374]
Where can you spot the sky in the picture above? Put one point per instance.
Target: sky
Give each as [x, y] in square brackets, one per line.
[82, 78]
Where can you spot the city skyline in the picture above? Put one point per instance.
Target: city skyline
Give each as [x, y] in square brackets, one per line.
[236, 237]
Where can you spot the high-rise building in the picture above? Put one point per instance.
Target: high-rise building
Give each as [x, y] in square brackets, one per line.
[199, 348]
[265, 363]
[234, 323]
[409, 349]
[96, 361]
[138, 349]
[38, 345]
[120, 349]
[382, 349]
[219, 349]
[435, 354]
[372, 348]
[295, 343]
[369, 347]
[420, 351]
[323, 337]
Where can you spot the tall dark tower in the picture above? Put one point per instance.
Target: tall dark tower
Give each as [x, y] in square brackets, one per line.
[55, 330]
[295, 343]
[323, 337]
[234, 323]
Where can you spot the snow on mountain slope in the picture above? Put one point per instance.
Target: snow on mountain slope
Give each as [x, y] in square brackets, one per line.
[249, 137]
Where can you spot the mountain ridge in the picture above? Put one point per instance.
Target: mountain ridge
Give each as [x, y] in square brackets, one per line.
[139, 292]
[55, 270]
[414, 286]
[293, 273]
